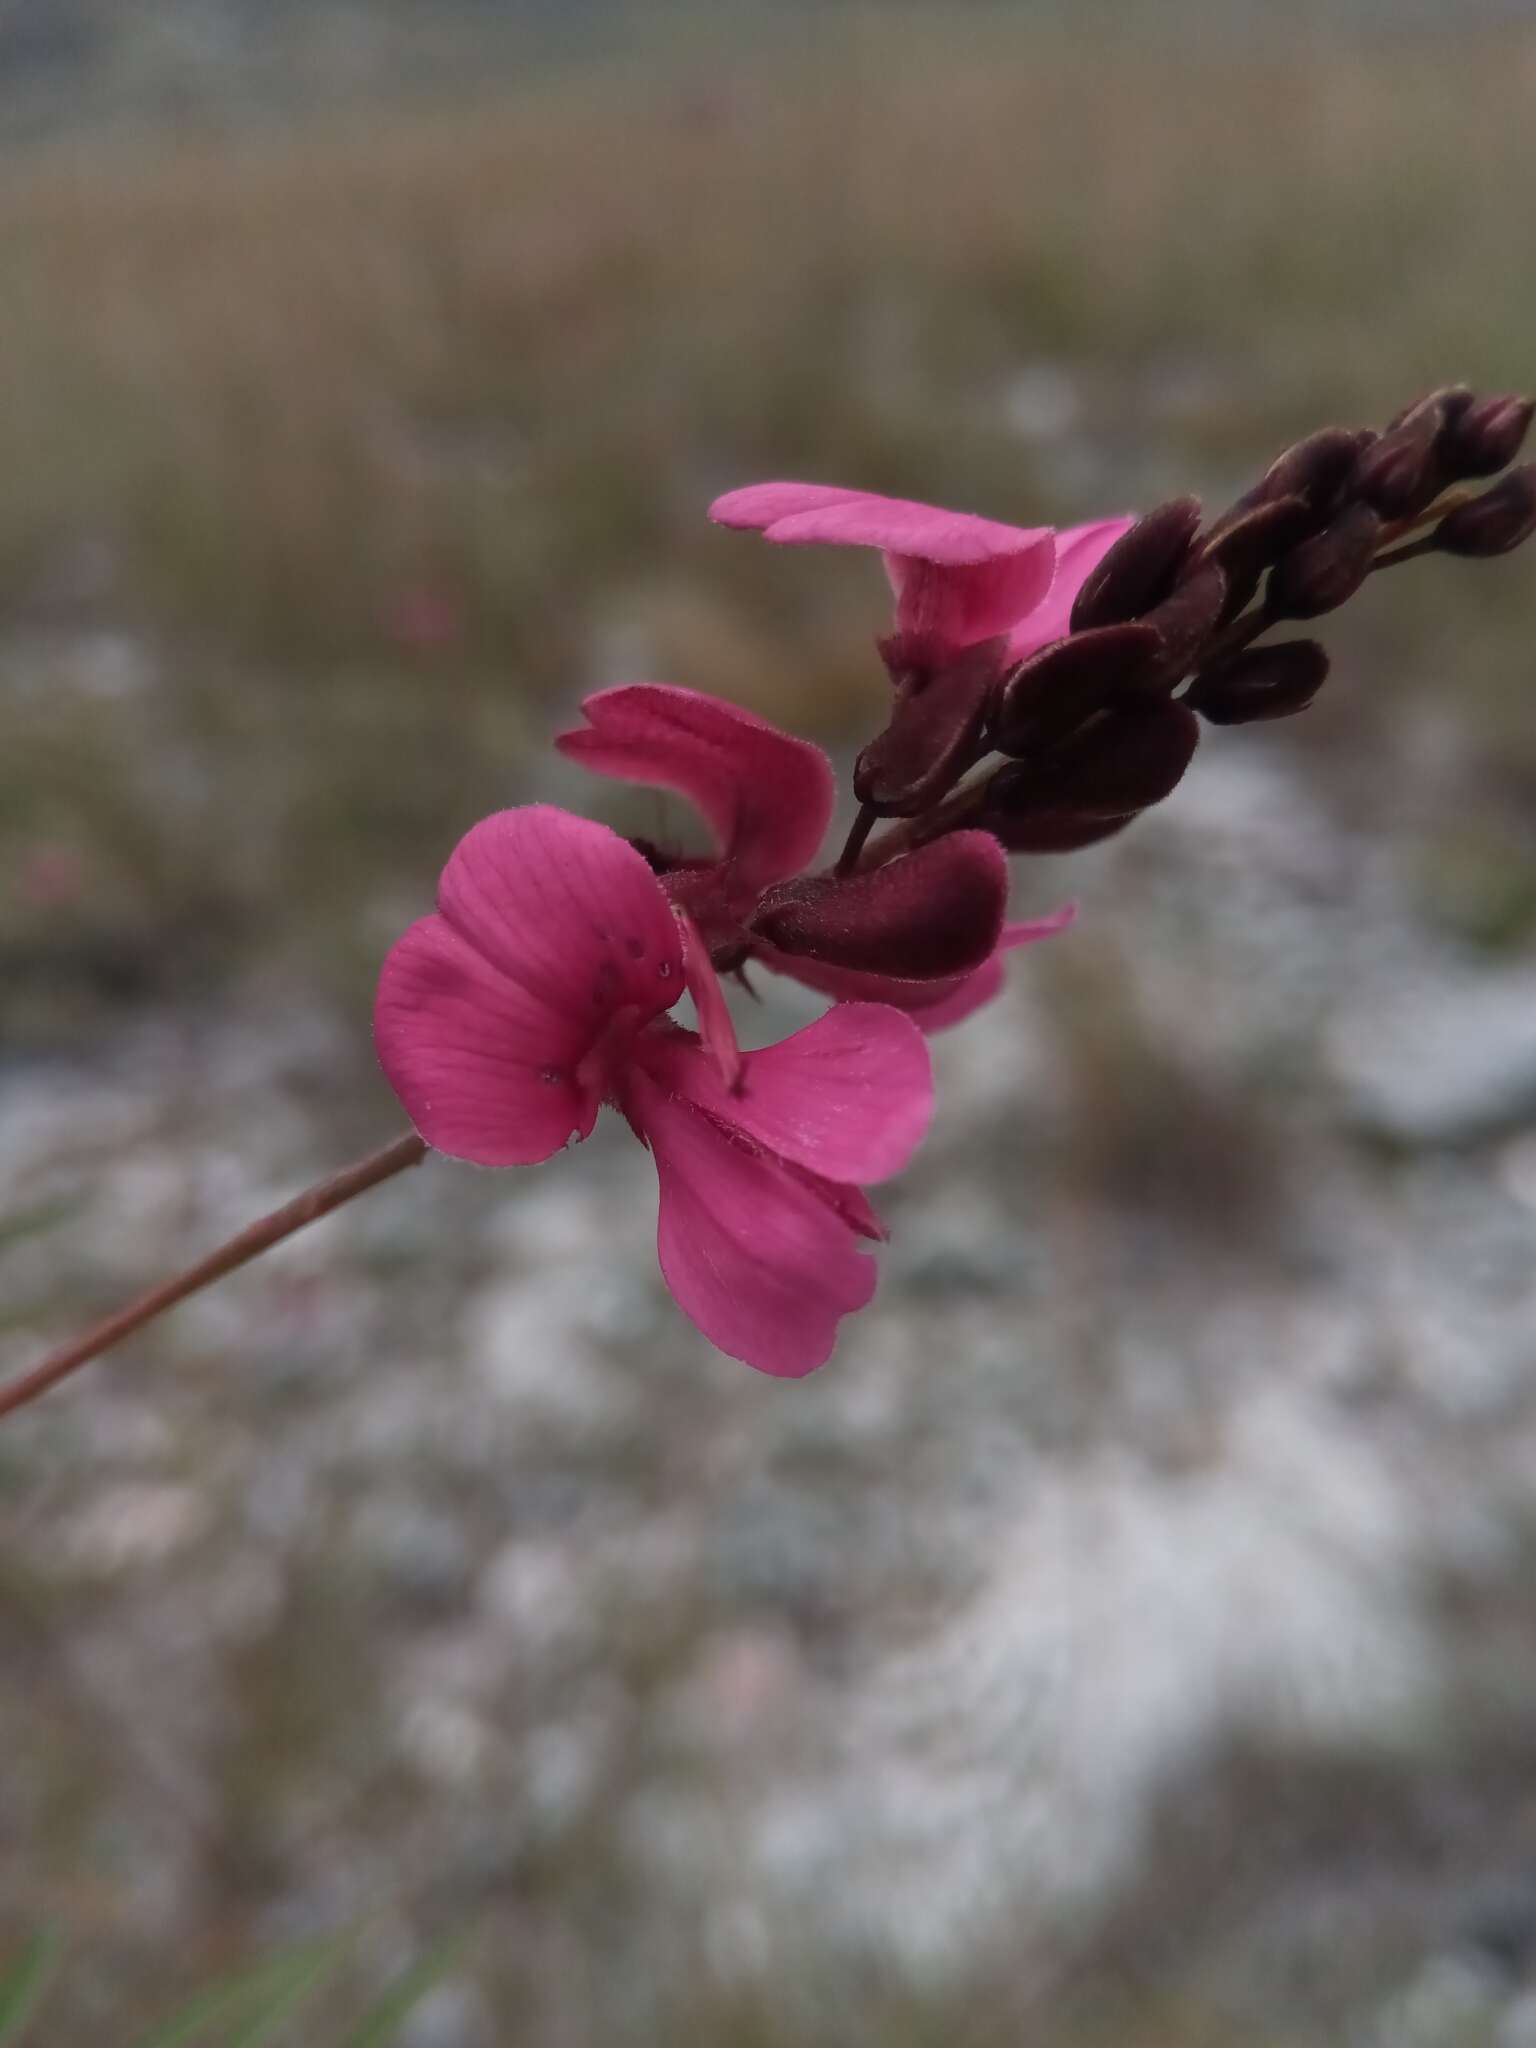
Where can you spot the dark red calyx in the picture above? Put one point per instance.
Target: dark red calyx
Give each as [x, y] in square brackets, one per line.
[1401, 473]
[1139, 570]
[1443, 406]
[1488, 435]
[1053, 831]
[932, 912]
[1248, 540]
[1123, 761]
[1065, 684]
[1185, 620]
[934, 729]
[1496, 520]
[1264, 682]
[1315, 469]
[1322, 573]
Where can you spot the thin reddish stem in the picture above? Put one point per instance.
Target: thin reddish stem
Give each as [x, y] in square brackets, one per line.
[853, 846]
[1409, 552]
[246, 1245]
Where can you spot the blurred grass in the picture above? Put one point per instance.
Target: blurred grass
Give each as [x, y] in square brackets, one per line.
[249, 2008]
[338, 462]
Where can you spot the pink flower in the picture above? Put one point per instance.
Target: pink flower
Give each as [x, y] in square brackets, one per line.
[959, 579]
[913, 933]
[767, 796]
[539, 991]
[973, 597]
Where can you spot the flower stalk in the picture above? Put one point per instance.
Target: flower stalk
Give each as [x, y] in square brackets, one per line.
[247, 1244]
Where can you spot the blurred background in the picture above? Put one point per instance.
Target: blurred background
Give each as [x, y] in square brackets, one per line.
[1130, 1637]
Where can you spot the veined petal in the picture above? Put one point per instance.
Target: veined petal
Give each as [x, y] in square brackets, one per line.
[755, 1256]
[848, 1097]
[767, 795]
[568, 911]
[550, 928]
[1079, 551]
[486, 1071]
[943, 605]
[799, 512]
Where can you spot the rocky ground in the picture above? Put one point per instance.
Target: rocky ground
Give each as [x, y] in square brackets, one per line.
[1128, 1637]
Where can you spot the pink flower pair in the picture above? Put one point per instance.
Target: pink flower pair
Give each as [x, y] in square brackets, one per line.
[541, 987]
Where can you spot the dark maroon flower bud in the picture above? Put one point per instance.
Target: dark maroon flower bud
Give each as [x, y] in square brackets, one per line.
[1496, 520]
[1442, 407]
[1401, 473]
[1186, 620]
[1068, 682]
[934, 727]
[1315, 469]
[1488, 435]
[1051, 831]
[1321, 573]
[1264, 682]
[935, 911]
[1122, 761]
[1248, 540]
[1139, 570]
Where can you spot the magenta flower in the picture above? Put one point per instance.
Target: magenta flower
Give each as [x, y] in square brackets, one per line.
[959, 579]
[973, 597]
[539, 991]
[924, 933]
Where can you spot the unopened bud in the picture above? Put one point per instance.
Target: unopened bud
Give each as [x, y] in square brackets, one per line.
[1264, 682]
[935, 911]
[1324, 571]
[1250, 539]
[1315, 469]
[1186, 620]
[1051, 831]
[1488, 435]
[1065, 684]
[1494, 522]
[1123, 761]
[1442, 408]
[934, 727]
[1139, 569]
[1400, 474]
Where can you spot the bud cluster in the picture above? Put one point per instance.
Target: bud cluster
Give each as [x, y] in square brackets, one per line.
[1102, 722]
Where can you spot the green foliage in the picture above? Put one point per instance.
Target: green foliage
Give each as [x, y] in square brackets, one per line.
[247, 2009]
[22, 1986]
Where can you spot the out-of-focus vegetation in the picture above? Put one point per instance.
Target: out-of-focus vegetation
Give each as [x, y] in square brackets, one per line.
[338, 460]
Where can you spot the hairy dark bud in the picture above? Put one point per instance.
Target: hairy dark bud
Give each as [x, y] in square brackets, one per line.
[1488, 435]
[935, 911]
[1324, 571]
[1316, 469]
[1051, 831]
[1495, 521]
[934, 728]
[1122, 761]
[1139, 570]
[1442, 408]
[1401, 473]
[1065, 684]
[1250, 539]
[1186, 620]
[1264, 682]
